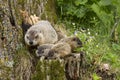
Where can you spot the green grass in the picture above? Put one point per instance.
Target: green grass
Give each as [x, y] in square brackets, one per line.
[100, 48]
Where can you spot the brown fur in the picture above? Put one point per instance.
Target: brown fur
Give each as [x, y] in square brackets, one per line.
[43, 50]
[73, 41]
[64, 47]
[59, 50]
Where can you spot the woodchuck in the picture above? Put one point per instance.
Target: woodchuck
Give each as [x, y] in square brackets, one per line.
[41, 33]
[60, 49]
[64, 47]
[43, 50]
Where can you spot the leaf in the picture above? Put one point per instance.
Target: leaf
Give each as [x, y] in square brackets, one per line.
[96, 8]
[105, 2]
[71, 10]
[80, 12]
[78, 2]
[103, 16]
[116, 46]
[96, 77]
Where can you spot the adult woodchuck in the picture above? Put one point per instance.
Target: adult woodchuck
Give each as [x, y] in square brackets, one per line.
[41, 33]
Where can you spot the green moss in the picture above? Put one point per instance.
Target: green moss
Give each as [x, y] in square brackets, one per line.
[49, 69]
[21, 52]
[57, 71]
[50, 11]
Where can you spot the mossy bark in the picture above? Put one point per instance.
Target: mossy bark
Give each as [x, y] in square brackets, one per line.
[49, 70]
[9, 39]
[14, 52]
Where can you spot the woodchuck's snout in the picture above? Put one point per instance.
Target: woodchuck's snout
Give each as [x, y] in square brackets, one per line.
[79, 42]
[31, 42]
[75, 42]
[43, 50]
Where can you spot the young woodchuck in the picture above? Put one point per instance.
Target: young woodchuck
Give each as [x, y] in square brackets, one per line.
[43, 50]
[64, 47]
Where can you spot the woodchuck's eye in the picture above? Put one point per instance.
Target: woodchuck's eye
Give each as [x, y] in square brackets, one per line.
[27, 37]
[74, 39]
[42, 51]
[36, 36]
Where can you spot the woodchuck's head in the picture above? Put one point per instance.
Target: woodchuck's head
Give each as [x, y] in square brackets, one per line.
[33, 37]
[74, 42]
[43, 50]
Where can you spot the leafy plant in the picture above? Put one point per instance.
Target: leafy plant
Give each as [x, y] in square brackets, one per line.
[99, 14]
[96, 77]
[94, 21]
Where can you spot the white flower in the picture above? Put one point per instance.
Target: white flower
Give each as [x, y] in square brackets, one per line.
[96, 33]
[88, 29]
[73, 24]
[76, 33]
[96, 45]
[89, 33]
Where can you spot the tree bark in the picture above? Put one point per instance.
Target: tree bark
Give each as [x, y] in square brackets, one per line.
[11, 46]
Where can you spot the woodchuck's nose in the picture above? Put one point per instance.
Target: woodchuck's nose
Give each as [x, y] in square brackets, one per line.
[31, 42]
[80, 43]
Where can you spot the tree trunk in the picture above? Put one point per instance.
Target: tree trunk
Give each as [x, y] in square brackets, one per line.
[17, 63]
[14, 55]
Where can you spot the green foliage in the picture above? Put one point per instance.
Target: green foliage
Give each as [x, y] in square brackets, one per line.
[95, 77]
[100, 50]
[116, 46]
[79, 2]
[93, 22]
[99, 14]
